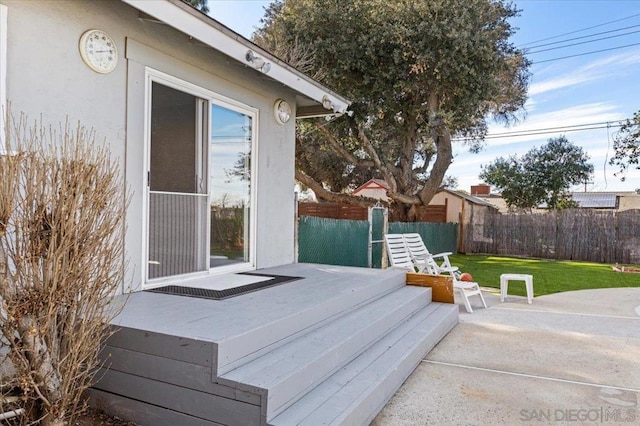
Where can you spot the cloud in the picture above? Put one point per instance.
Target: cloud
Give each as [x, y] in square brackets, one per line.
[558, 83]
[597, 143]
[597, 112]
[594, 70]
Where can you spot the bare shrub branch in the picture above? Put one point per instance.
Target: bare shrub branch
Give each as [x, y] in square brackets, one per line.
[62, 204]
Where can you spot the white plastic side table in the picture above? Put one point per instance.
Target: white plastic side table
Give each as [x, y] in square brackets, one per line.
[504, 284]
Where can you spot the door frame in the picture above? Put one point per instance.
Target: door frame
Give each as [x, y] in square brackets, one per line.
[212, 98]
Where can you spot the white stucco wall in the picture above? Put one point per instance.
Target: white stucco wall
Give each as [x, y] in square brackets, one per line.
[46, 76]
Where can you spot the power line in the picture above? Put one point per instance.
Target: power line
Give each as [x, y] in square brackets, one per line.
[582, 29]
[561, 127]
[586, 53]
[581, 37]
[550, 130]
[583, 42]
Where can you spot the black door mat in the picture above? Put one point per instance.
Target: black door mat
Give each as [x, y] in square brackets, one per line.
[204, 293]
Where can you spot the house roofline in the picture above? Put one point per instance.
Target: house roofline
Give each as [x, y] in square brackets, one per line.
[369, 184]
[471, 198]
[196, 24]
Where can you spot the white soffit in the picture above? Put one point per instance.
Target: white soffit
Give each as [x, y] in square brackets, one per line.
[190, 21]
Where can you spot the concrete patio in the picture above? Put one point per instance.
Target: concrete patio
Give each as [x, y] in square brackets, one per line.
[568, 358]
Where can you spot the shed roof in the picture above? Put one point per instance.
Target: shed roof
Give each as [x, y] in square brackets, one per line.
[312, 98]
[470, 198]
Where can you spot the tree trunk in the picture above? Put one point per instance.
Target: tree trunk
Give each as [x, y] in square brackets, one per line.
[47, 421]
[46, 377]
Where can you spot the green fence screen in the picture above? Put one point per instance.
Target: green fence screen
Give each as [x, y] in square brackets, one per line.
[333, 241]
[345, 242]
[438, 237]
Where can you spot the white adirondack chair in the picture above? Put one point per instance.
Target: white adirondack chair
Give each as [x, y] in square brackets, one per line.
[425, 262]
[423, 259]
[398, 253]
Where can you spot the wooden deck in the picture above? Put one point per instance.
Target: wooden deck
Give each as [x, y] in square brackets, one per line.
[330, 348]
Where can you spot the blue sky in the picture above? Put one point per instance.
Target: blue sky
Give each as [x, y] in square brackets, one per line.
[579, 91]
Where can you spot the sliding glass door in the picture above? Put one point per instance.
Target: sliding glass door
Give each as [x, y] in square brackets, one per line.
[199, 183]
[230, 186]
[177, 183]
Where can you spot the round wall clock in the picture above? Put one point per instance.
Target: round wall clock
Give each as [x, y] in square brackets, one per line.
[98, 51]
[281, 111]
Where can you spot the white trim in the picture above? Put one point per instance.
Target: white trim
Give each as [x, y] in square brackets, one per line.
[212, 98]
[3, 71]
[191, 22]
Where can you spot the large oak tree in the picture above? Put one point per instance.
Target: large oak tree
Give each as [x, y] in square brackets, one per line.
[419, 73]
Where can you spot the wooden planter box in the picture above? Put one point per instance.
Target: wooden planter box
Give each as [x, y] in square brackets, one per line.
[441, 285]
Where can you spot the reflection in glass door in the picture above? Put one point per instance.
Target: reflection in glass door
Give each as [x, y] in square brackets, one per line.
[230, 186]
[177, 185]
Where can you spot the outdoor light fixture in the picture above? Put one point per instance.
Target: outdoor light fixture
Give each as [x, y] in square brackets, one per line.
[326, 102]
[257, 62]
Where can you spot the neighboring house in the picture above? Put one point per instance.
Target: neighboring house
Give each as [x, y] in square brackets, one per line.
[202, 122]
[483, 192]
[616, 201]
[374, 188]
[463, 209]
[460, 207]
[611, 201]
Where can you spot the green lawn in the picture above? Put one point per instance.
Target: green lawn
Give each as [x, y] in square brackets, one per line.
[549, 276]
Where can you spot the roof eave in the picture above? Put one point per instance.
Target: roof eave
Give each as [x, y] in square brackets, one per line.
[202, 27]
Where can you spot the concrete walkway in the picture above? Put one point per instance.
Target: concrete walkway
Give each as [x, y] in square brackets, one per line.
[569, 358]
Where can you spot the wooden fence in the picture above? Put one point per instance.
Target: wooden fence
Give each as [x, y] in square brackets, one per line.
[588, 235]
[433, 213]
[333, 211]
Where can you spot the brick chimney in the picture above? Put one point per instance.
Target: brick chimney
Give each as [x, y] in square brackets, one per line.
[481, 189]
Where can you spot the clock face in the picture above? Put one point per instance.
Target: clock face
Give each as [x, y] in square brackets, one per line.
[98, 51]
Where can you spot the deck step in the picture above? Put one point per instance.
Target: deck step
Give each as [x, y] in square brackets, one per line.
[239, 349]
[359, 390]
[291, 370]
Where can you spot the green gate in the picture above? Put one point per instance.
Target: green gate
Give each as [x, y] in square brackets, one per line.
[377, 230]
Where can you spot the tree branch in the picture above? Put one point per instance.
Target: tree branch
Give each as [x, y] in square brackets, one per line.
[388, 175]
[444, 156]
[403, 198]
[341, 151]
[324, 194]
